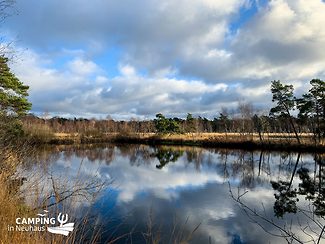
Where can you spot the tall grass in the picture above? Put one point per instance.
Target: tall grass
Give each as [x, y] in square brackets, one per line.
[41, 133]
[11, 203]
[15, 148]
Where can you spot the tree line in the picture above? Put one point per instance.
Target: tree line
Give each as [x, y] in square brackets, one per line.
[290, 114]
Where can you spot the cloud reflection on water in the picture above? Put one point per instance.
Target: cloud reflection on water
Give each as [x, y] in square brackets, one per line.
[192, 188]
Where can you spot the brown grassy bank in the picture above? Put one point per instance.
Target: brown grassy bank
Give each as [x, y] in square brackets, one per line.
[270, 141]
[13, 205]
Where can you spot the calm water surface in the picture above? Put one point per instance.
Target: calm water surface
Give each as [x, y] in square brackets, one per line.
[182, 194]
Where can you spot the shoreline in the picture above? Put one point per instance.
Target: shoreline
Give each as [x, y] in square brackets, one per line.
[270, 142]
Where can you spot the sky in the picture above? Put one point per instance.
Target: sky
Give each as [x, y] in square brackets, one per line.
[134, 59]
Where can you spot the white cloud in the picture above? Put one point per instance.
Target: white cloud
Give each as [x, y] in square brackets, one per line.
[283, 41]
[80, 87]
[82, 67]
[174, 57]
[127, 71]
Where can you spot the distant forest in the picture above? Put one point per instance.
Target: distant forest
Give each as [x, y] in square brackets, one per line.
[309, 118]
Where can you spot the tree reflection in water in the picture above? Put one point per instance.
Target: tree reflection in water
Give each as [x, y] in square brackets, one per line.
[166, 155]
[303, 195]
[311, 187]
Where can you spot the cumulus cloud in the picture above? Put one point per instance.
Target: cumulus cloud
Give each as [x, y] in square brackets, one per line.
[82, 67]
[182, 56]
[80, 86]
[287, 37]
[282, 41]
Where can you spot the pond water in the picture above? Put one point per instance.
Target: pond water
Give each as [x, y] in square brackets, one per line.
[168, 194]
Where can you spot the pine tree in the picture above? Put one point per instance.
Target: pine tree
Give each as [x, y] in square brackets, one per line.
[13, 93]
[285, 102]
